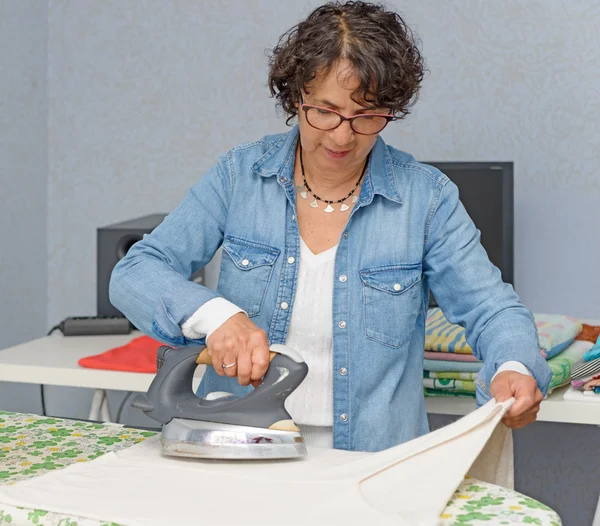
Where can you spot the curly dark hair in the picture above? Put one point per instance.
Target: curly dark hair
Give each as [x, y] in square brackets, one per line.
[376, 42]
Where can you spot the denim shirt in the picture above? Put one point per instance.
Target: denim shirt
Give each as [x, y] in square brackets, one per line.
[407, 233]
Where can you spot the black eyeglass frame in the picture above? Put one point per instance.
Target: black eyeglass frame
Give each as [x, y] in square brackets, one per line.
[389, 117]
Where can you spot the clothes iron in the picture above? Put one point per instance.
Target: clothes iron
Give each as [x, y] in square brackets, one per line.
[222, 425]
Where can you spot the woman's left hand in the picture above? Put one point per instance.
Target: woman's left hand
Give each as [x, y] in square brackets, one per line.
[523, 388]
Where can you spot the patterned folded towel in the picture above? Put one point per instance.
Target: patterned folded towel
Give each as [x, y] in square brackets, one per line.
[593, 353]
[453, 375]
[449, 385]
[556, 332]
[450, 357]
[447, 366]
[580, 383]
[592, 385]
[443, 336]
[428, 392]
[562, 364]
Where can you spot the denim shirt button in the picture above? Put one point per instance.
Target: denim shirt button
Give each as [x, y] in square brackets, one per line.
[345, 235]
[342, 324]
[284, 305]
[245, 262]
[343, 278]
[343, 371]
[397, 286]
[343, 417]
[291, 260]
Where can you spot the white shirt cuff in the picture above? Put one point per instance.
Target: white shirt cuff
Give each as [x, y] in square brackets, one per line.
[208, 318]
[512, 365]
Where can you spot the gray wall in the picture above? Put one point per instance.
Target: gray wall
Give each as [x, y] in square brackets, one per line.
[142, 96]
[520, 81]
[23, 183]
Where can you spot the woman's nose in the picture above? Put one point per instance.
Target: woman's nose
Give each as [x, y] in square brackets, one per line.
[343, 134]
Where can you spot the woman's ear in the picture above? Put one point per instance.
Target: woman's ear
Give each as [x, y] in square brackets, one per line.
[299, 101]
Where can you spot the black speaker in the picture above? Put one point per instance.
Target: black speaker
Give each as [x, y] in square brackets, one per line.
[113, 242]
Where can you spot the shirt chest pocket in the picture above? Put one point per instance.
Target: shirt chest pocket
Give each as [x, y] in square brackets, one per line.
[392, 298]
[246, 271]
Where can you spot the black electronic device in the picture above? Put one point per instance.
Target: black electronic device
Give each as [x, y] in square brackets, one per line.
[93, 326]
[486, 190]
[113, 242]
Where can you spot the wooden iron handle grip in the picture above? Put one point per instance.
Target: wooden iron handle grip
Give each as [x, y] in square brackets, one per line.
[204, 357]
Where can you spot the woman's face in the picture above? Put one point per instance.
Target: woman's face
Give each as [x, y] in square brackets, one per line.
[341, 149]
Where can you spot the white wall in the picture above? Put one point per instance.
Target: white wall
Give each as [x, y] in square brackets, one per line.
[520, 81]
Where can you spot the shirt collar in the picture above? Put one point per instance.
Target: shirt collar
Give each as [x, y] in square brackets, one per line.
[379, 177]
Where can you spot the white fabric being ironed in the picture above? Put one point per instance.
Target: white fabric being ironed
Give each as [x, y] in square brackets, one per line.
[407, 485]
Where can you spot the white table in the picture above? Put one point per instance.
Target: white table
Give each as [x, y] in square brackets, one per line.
[553, 409]
[52, 360]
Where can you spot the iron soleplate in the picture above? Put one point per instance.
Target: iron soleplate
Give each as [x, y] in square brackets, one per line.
[199, 439]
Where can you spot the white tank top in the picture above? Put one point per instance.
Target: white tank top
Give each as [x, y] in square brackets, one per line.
[311, 334]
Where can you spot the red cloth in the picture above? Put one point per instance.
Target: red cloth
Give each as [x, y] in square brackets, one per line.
[137, 356]
[589, 333]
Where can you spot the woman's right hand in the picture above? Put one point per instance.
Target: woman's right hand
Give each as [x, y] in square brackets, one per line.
[239, 341]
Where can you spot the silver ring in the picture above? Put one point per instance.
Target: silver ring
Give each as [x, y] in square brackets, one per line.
[228, 365]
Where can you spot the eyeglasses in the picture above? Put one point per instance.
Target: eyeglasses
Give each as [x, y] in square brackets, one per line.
[325, 119]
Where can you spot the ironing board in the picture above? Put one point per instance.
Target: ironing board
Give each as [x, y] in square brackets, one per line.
[31, 445]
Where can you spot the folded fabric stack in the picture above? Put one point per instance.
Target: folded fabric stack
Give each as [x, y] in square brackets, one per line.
[447, 353]
[585, 376]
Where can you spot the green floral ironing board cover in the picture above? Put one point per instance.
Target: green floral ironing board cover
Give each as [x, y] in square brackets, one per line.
[31, 445]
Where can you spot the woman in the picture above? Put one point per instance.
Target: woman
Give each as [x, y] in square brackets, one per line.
[331, 242]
